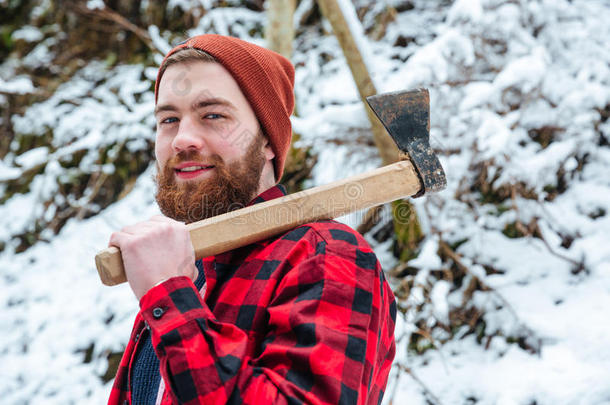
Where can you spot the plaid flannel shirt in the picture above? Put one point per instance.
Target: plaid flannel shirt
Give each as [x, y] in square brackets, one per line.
[304, 317]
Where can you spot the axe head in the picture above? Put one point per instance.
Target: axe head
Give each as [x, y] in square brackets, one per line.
[406, 117]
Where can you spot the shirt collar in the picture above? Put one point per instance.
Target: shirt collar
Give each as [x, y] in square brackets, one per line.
[274, 192]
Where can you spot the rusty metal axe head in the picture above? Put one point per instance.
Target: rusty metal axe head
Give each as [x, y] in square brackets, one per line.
[406, 117]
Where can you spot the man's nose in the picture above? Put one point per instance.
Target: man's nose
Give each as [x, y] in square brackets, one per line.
[188, 136]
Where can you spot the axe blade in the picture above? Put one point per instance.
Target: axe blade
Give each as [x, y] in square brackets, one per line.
[406, 117]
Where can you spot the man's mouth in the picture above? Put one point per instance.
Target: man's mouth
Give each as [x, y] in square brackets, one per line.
[190, 171]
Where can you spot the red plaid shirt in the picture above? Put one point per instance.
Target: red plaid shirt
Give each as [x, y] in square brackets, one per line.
[304, 317]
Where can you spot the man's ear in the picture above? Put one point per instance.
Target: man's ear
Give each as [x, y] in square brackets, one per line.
[269, 154]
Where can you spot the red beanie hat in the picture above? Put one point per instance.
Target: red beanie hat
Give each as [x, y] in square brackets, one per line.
[266, 78]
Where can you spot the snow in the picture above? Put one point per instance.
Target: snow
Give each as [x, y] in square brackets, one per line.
[355, 28]
[300, 10]
[33, 157]
[511, 378]
[187, 4]
[427, 258]
[41, 54]
[27, 33]
[18, 85]
[95, 4]
[469, 11]
[160, 43]
[56, 331]
[440, 306]
[7, 172]
[442, 60]
[498, 71]
[525, 73]
[493, 135]
[477, 94]
[236, 21]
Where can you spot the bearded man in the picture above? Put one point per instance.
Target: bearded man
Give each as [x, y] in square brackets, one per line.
[303, 317]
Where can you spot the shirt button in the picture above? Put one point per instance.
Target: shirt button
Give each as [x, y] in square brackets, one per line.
[158, 312]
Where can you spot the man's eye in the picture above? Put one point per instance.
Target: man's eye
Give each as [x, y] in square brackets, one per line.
[213, 116]
[169, 120]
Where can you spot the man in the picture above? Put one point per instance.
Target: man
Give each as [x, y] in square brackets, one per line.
[304, 317]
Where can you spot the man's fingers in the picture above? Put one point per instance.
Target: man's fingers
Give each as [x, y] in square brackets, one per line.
[138, 228]
[155, 225]
[162, 218]
[152, 223]
[118, 238]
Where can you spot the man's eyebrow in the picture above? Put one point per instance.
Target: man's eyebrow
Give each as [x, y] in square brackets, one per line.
[214, 101]
[164, 107]
[206, 102]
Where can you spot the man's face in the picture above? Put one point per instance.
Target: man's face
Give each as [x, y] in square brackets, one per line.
[209, 148]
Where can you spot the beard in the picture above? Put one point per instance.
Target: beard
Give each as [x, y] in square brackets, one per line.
[229, 188]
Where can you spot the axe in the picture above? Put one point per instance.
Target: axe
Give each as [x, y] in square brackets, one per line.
[406, 116]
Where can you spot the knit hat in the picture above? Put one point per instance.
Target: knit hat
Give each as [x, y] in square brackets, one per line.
[266, 78]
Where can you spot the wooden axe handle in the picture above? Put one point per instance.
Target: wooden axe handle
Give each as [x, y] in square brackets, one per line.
[242, 227]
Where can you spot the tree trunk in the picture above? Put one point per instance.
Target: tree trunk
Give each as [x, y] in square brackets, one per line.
[280, 29]
[342, 30]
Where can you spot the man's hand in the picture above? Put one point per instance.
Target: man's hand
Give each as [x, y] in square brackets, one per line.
[154, 251]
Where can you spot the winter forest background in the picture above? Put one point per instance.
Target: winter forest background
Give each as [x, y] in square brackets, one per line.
[504, 282]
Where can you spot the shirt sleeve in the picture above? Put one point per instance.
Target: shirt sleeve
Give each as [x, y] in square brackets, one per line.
[329, 339]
